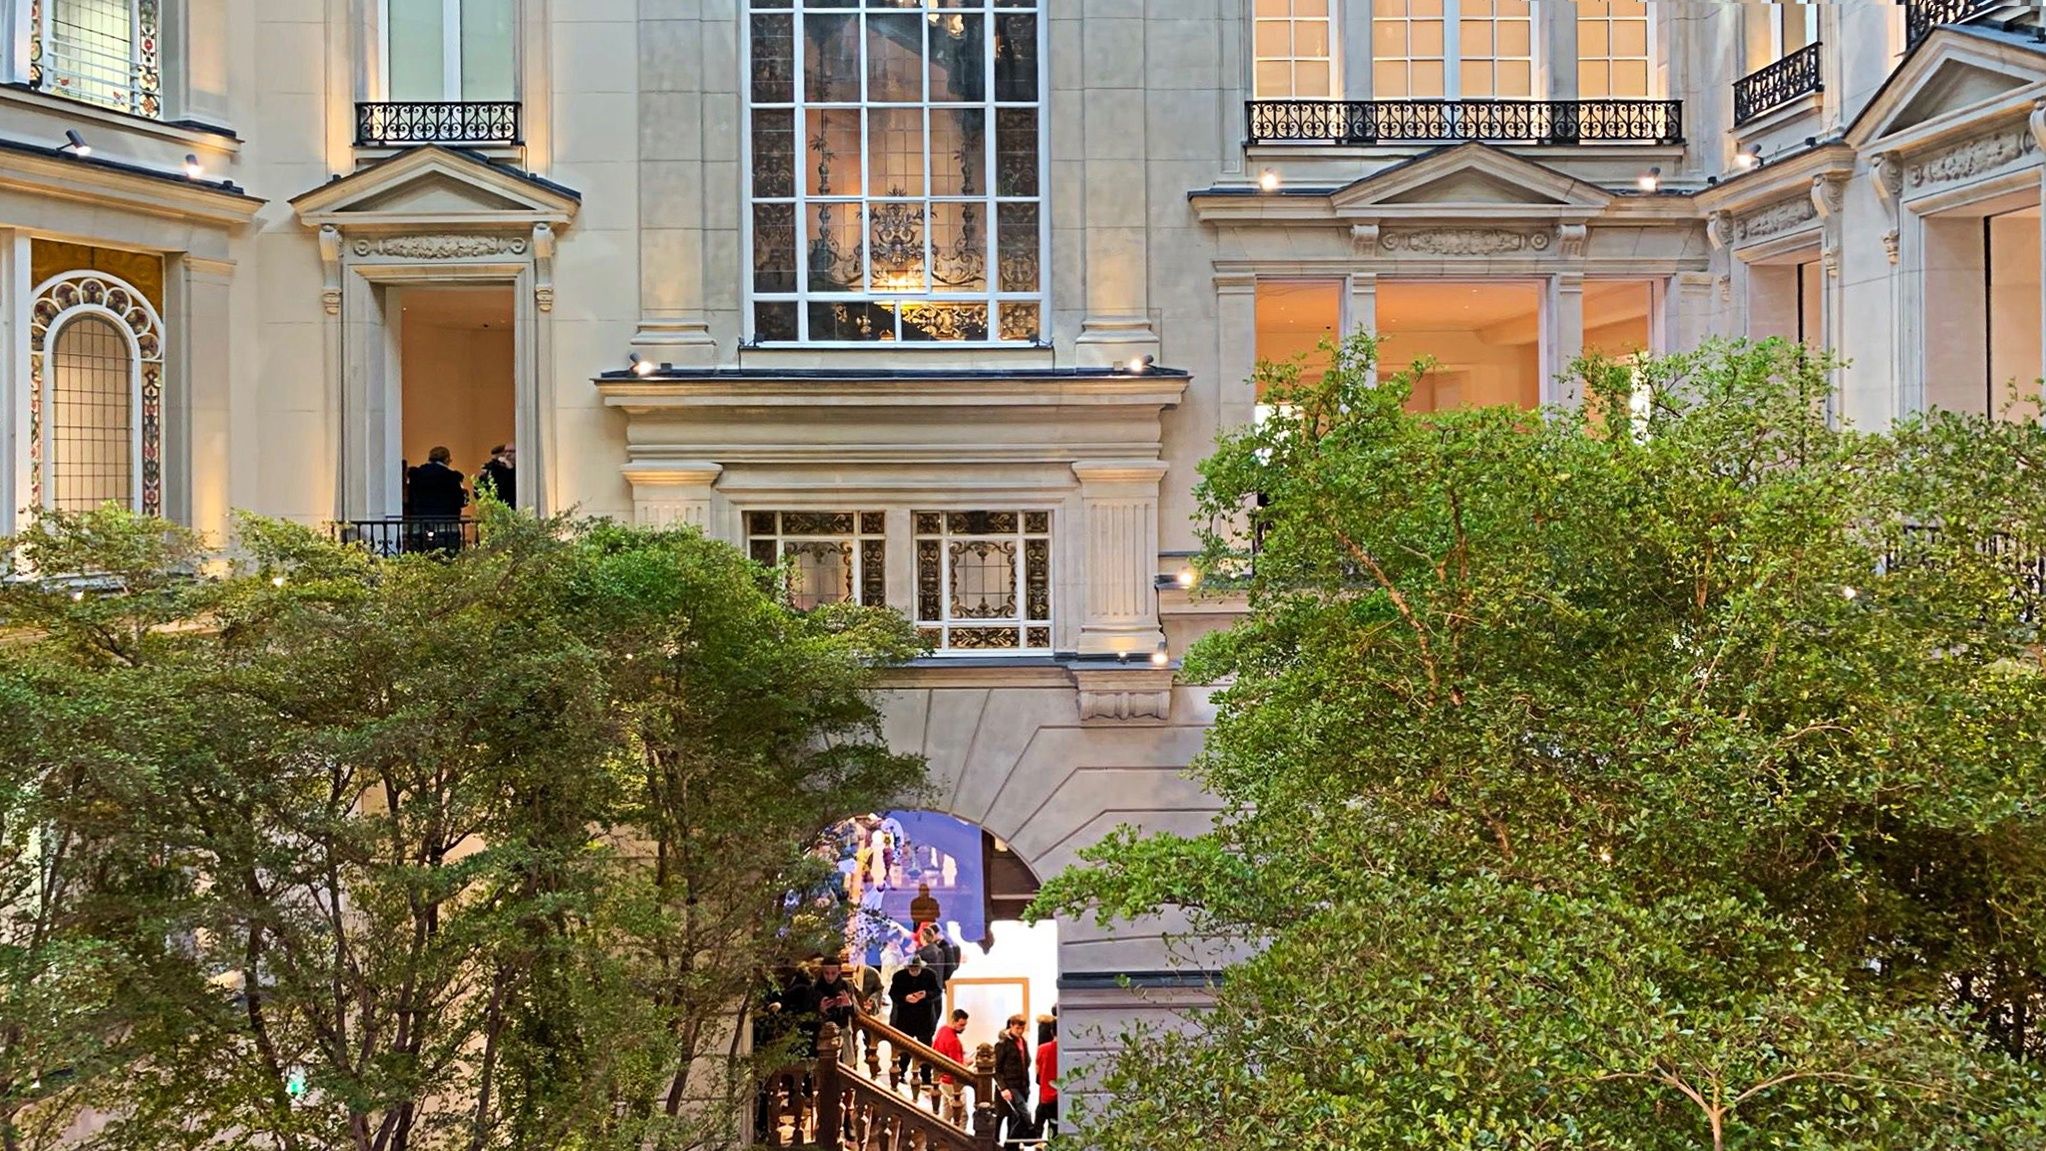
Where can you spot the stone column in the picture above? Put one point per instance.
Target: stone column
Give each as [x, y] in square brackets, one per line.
[1104, 94]
[1236, 337]
[1828, 196]
[686, 64]
[1562, 337]
[14, 290]
[198, 448]
[1119, 499]
[1362, 313]
[674, 494]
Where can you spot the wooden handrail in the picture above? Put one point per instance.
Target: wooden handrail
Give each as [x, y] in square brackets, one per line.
[871, 1026]
[934, 1081]
[832, 1105]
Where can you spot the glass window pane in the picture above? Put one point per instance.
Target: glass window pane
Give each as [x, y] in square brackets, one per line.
[417, 57]
[831, 59]
[774, 247]
[895, 146]
[959, 59]
[835, 260]
[91, 413]
[959, 244]
[895, 233]
[774, 152]
[895, 59]
[958, 152]
[831, 152]
[489, 50]
[774, 58]
[1311, 80]
[1015, 58]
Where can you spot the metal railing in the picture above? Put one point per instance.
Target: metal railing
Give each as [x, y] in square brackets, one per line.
[1778, 84]
[440, 122]
[411, 535]
[1352, 122]
[1922, 16]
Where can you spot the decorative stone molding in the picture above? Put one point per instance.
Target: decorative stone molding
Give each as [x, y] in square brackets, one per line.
[1719, 229]
[1465, 241]
[1777, 218]
[1893, 243]
[673, 494]
[1365, 236]
[441, 247]
[1975, 157]
[1124, 693]
[1726, 289]
[1572, 238]
[330, 269]
[1829, 192]
[1120, 501]
[1888, 171]
[543, 266]
[2036, 122]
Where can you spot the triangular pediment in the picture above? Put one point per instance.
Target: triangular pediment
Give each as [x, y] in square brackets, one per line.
[1466, 178]
[428, 187]
[1956, 73]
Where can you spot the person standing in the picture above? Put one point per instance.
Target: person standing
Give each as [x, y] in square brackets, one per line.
[434, 492]
[500, 476]
[1012, 1078]
[948, 1042]
[1047, 1074]
[833, 994]
[917, 1000]
[940, 953]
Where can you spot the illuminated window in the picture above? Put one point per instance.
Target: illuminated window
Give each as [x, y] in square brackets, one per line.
[983, 580]
[1612, 49]
[450, 50]
[833, 557]
[1452, 49]
[1774, 31]
[99, 51]
[95, 403]
[1295, 50]
[896, 173]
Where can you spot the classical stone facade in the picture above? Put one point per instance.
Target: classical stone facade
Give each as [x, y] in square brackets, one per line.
[945, 303]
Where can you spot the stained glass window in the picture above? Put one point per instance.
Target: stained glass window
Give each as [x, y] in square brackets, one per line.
[983, 580]
[832, 557]
[100, 51]
[95, 397]
[895, 171]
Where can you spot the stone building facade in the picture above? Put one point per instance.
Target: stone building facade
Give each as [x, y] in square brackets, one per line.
[944, 300]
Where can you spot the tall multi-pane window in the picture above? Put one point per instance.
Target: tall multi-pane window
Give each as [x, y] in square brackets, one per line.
[1775, 30]
[1295, 50]
[1452, 49]
[1612, 49]
[896, 171]
[92, 416]
[100, 51]
[983, 580]
[450, 50]
[832, 557]
[95, 390]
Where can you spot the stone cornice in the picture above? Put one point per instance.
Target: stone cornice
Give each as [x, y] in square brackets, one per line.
[939, 391]
[63, 177]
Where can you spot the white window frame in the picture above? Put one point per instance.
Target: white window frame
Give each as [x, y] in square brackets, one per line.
[1452, 53]
[450, 50]
[1779, 28]
[941, 629]
[138, 98]
[802, 200]
[1654, 88]
[855, 541]
[1334, 59]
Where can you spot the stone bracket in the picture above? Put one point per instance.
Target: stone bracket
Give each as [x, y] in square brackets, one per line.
[1124, 693]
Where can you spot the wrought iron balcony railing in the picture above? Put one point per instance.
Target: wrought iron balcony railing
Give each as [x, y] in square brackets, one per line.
[443, 122]
[410, 535]
[1776, 85]
[1922, 16]
[1460, 121]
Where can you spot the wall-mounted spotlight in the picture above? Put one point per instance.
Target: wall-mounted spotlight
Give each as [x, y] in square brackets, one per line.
[1161, 657]
[193, 169]
[1269, 181]
[1139, 365]
[75, 144]
[1748, 158]
[1187, 578]
[1649, 181]
[640, 367]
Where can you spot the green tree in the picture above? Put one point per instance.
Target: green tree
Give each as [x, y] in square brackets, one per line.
[1644, 776]
[408, 826]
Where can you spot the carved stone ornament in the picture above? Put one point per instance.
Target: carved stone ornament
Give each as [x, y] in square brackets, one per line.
[1365, 236]
[1136, 693]
[330, 269]
[1726, 289]
[1719, 229]
[1971, 158]
[1892, 242]
[1465, 241]
[1777, 219]
[1572, 238]
[441, 247]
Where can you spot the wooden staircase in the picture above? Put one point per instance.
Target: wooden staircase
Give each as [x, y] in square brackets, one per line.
[873, 1088]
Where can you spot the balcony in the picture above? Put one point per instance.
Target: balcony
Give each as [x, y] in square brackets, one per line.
[410, 535]
[1922, 16]
[1364, 122]
[494, 122]
[1776, 85]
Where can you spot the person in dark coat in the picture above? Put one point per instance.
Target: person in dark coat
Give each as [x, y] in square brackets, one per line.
[833, 995]
[916, 1001]
[500, 475]
[435, 488]
[1012, 1078]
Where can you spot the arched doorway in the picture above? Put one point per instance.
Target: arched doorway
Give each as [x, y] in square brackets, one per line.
[900, 870]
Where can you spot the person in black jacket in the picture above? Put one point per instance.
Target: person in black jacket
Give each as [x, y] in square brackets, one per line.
[500, 476]
[435, 488]
[1012, 1078]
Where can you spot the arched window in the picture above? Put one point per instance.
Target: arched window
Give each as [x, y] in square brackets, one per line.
[95, 396]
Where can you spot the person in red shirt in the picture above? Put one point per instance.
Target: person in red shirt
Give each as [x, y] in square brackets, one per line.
[1047, 1074]
[948, 1042]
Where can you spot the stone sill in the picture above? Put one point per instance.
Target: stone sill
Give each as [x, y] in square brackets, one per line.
[1779, 117]
[185, 133]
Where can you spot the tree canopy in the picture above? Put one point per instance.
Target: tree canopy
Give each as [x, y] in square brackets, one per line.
[1663, 773]
[479, 850]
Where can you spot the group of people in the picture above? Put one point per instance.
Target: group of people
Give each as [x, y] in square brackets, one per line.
[435, 490]
[829, 990]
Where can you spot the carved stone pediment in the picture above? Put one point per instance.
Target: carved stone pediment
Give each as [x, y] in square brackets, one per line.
[1976, 156]
[437, 191]
[1955, 77]
[1469, 179]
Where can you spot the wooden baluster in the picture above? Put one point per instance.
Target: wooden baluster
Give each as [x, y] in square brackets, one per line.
[984, 1125]
[952, 1107]
[873, 1054]
[984, 1093]
[830, 1130]
[787, 1098]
